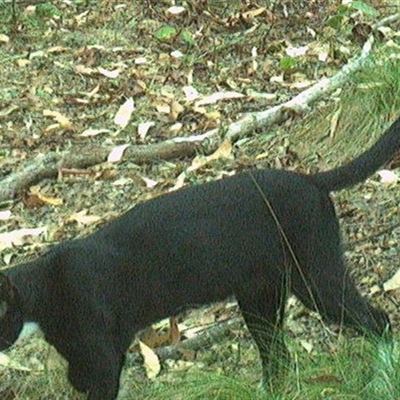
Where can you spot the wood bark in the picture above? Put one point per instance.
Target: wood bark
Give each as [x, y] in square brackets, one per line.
[48, 165]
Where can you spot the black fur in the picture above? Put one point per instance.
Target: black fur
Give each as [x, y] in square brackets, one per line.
[256, 235]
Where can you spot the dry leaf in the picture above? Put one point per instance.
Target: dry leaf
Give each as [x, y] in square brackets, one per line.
[122, 182]
[54, 201]
[52, 127]
[155, 335]
[94, 91]
[109, 74]
[176, 109]
[81, 18]
[19, 236]
[176, 127]
[7, 258]
[175, 10]
[223, 151]
[4, 215]
[213, 115]
[369, 85]
[301, 84]
[140, 60]
[176, 54]
[277, 79]
[200, 110]
[144, 127]
[148, 336]
[307, 346]
[191, 93]
[96, 47]
[81, 69]
[124, 113]
[163, 109]
[254, 55]
[174, 334]
[334, 122]
[23, 62]
[179, 182]
[57, 49]
[261, 95]
[151, 362]
[4, 38]
[392, 284]
[116, 153]
[81, 217]
[189, 77]
[311, 31]
[7, 111]
[37, 54]
[150, 183]
[93, 132]
[57, 116]
[296, 51]
[388, 176]
[253, 13]
[212, 99]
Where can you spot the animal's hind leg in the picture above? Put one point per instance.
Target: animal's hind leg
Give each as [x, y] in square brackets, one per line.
[328, 288]
[263, 312]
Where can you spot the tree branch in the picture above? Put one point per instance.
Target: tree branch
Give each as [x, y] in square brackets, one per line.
[48, 165]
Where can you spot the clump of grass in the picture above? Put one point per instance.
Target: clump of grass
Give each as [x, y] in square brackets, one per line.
[209, 385]
[364, 108]
[385, 379]
[356, 370]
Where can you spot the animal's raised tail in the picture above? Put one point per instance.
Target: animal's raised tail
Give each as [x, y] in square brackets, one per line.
[364, 165]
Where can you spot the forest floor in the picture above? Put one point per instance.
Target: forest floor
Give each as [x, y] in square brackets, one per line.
[76, 77]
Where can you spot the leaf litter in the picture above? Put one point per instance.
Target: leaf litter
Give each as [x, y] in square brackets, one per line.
[156, 73]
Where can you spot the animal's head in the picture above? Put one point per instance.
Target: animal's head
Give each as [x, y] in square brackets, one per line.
[11, 322]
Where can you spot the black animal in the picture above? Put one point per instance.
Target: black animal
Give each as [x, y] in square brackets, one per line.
[256, 235]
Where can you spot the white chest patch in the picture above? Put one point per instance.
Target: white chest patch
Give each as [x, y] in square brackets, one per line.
[29, 329]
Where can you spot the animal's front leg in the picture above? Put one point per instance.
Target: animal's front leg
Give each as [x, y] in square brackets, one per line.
[263, 311]
[96, 370]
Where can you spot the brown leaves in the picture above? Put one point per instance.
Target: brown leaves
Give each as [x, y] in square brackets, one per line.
[151, 361]
[35, 198]
[223, 151]
[214, 62]
[124, 113]
[83, 218]
[392, 284]
[61, 120]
